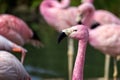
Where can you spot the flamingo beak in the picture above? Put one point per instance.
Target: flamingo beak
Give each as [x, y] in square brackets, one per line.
[16, 50]
[64, 33]
[61, 36]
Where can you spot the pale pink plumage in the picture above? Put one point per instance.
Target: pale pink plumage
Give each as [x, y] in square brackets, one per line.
[104, 28]
[56, 16]
[103, 39]
[16, 30]
[103, 16]
[7, 45]
[11, 68]
[106, 38]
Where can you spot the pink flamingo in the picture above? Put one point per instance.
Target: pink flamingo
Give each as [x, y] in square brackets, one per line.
[79, 32]
[57, 16]
[107, 43]
[16, 30]
[102, 17]
[87, 10]
[6, 44]
[11, 68]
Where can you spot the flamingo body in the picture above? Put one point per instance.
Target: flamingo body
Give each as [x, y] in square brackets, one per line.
[57, 17]
[14, 29]
[105, 17]
[11, 68]
[106, 42]
[100, 37]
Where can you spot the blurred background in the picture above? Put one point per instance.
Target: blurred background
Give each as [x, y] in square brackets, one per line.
[50, 61]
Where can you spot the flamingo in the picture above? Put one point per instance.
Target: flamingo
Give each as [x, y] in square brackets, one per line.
[87, 10]
[16, 30]
[11, 68]
[79, 32]
[102, 17]
[105, 17]
[57, 16]
[6, 44]
[108, 43]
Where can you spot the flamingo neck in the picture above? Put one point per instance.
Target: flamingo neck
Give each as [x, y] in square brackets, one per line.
[65, 3]
[88, 16]
[79, 63]
[46, 7]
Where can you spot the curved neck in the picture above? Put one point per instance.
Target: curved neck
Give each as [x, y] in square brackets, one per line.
[65, 3]
[88, 13]
[79, 63]
[47, 5]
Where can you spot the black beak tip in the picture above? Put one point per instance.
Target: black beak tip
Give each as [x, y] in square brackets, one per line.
[61, 36]
[80, 22]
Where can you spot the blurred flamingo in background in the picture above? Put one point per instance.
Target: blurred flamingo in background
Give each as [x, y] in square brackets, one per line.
[102, 17]
[59, 18]
[108, 42]
[79, 32]
[11, 68]
[16, 30]
[6, 44]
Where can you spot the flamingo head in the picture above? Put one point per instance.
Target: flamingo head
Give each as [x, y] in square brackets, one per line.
[85, 13]
[78, 32]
